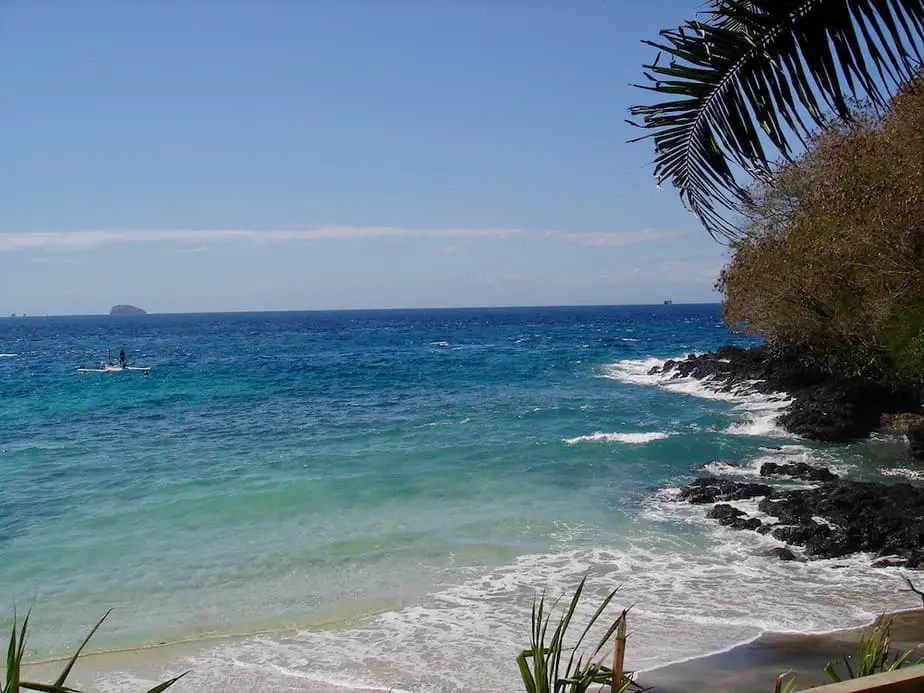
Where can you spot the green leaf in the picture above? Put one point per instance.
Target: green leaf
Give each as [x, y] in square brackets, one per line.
[166, 684]
[751, 76]
[73, 660]
[47, 687]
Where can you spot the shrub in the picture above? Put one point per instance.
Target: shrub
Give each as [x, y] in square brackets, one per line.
[831, 264]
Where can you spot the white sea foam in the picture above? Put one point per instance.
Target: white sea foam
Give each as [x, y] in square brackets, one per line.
[691, 594]
[4, 355]
[759, 411]
[784, 454]
[905, 472]
[630, 438]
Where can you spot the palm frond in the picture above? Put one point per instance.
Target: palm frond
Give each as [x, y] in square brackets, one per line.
[753, 73]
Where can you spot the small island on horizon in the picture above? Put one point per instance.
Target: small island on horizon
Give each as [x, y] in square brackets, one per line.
[126, 309]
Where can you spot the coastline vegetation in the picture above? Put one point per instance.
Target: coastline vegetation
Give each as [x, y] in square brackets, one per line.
[830, 264]
[747, 78]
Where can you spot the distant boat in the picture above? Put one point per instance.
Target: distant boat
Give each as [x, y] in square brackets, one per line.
[111, 366]
[114, 368]
[668, 303]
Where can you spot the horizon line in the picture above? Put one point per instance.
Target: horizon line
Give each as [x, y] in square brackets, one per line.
[358, 310]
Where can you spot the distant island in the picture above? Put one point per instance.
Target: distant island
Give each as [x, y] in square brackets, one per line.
[125, 309]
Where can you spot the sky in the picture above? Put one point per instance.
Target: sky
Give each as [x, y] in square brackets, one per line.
[230, 155]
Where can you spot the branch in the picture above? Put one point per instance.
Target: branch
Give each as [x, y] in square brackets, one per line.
[912, 588]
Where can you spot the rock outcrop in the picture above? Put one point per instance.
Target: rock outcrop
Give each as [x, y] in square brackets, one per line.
[915, 435]
[834, 519]
[125, 309]
[822, 408]
[798, 470]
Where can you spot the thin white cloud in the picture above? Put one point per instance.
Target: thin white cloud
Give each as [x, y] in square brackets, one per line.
[615, 238]
[91, 239]
[505, 278]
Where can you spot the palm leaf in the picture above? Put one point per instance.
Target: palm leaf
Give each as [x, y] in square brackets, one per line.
[758, 75]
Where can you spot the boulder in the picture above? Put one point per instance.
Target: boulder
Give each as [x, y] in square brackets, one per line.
[915, 435]
[834, 519]
[834, 412]
[711, 489]
[723, 512]
[782, 553]
[798, 470]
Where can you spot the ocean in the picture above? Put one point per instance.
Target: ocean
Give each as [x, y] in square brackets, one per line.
[368, 500]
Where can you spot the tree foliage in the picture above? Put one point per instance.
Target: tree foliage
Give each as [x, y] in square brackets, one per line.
[831, 263]
[751, 76]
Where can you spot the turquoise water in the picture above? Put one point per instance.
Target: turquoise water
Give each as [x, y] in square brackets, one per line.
[391, 483]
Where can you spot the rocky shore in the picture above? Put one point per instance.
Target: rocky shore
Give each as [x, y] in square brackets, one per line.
[836, 518]
[825, 516]
[822, 408]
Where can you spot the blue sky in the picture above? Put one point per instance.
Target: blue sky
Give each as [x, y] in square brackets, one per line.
[197, 155]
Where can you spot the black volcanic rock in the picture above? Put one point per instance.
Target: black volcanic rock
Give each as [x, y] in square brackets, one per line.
[799, 470]
[834, 519]
[712, 489]
[730, 516]
[782, 553]
[915, 435]
[834, 412]
[823, 408]
[125, 309]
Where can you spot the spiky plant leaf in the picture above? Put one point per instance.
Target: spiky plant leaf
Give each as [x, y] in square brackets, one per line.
[874, 655]
[13, 682]
[753, 73]
[46, 687]
[545, 668]
[166, 684]
[73, 660]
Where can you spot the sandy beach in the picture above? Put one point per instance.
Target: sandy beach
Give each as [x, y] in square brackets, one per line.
[754, 666]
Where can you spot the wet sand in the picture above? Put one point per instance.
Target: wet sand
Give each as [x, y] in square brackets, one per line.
[754, 666]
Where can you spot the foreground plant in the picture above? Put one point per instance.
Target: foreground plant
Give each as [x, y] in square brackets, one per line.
[784, 685]
[13, 682]
[874, 655]
[550, 666]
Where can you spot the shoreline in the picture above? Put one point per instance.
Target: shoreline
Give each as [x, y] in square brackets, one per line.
[752, 667]
[746, 667]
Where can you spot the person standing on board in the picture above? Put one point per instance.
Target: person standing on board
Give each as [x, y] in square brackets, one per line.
[122, 358]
